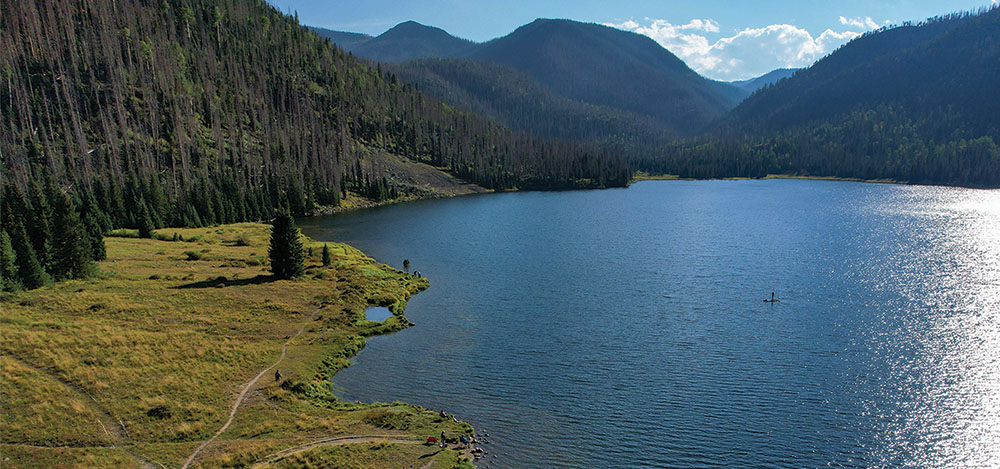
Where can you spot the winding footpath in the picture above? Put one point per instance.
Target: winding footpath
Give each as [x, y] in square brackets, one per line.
[247, 388]
[115, 429]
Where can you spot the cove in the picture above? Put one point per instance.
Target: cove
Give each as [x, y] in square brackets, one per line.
[377, 313]
[625, 327]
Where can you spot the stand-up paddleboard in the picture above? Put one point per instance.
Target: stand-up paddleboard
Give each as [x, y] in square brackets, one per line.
[772, 300]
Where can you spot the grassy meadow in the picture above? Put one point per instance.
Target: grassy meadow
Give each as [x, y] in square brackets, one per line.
[138, 365]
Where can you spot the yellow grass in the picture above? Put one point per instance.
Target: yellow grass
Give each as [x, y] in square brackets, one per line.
[145, 360]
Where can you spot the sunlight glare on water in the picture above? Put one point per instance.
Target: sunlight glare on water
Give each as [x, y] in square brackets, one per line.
[953, 417]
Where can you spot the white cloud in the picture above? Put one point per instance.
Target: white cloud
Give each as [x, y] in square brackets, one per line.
[866, 22]
[748, 53]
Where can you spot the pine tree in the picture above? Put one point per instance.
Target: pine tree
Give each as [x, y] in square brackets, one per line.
[144, 221]
[98, 251]
[71, 246]
[29, 270]
[8, 266]
[326, 255]
[37, 225]
[286, 248]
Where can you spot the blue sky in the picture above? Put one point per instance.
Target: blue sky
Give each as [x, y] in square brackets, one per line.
[727, 40]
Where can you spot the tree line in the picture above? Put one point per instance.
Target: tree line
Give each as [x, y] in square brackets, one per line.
[49, 234]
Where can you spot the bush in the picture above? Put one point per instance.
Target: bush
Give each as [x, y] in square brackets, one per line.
[161, 412]
[192, 256]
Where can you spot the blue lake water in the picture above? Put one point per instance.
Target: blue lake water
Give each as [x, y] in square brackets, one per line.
[626, 327]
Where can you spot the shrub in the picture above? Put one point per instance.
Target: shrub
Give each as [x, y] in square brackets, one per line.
[161, 412]
[192, 256]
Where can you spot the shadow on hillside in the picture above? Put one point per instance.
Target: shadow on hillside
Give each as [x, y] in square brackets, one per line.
[220, 282]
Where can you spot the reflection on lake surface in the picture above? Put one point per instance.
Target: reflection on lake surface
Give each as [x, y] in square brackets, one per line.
[625, 328]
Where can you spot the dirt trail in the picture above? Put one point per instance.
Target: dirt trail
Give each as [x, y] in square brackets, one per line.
[247, 388]
[114, 428]
[335, 441]
[111, 426]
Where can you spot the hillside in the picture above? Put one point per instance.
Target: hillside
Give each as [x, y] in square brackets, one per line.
[517, 100]
[211, 112]
[924, 68]
[916, 103]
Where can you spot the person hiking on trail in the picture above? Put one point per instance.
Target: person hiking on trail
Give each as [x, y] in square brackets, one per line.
[277, 375]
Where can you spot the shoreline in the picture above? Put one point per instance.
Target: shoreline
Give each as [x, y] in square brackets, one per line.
[640, 176]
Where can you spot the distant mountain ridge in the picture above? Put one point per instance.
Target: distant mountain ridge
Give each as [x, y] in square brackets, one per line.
[344, 40]
[405, 41]
[589, 63]
[769, 78]
[609, 67]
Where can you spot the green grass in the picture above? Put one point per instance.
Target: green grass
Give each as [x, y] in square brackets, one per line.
[163, 344]
[644, 176]
[833, 178]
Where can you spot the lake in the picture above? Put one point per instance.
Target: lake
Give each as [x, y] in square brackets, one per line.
[627, 327]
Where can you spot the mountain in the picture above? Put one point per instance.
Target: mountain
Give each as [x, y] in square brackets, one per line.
[917, 103]
[344, 40]
[205, 111]
[515, 99]
[407, 40]
[586, 63]
[609, 67]
[769, 78]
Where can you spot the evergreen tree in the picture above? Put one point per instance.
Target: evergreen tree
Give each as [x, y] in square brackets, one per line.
[29, 270]
[326, 255]
[71, 246]
[98, 252]
[144, 221]
[286, 248]
[8, 266]
[37, 225]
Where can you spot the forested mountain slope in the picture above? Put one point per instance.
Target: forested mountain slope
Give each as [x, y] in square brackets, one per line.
[215, 111]
[917, 103]
[609, 67]
[517, 100]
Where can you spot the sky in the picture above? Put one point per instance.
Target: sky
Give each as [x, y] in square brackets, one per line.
[721, 39]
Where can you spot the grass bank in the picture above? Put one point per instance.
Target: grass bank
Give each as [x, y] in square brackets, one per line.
[137, 366]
